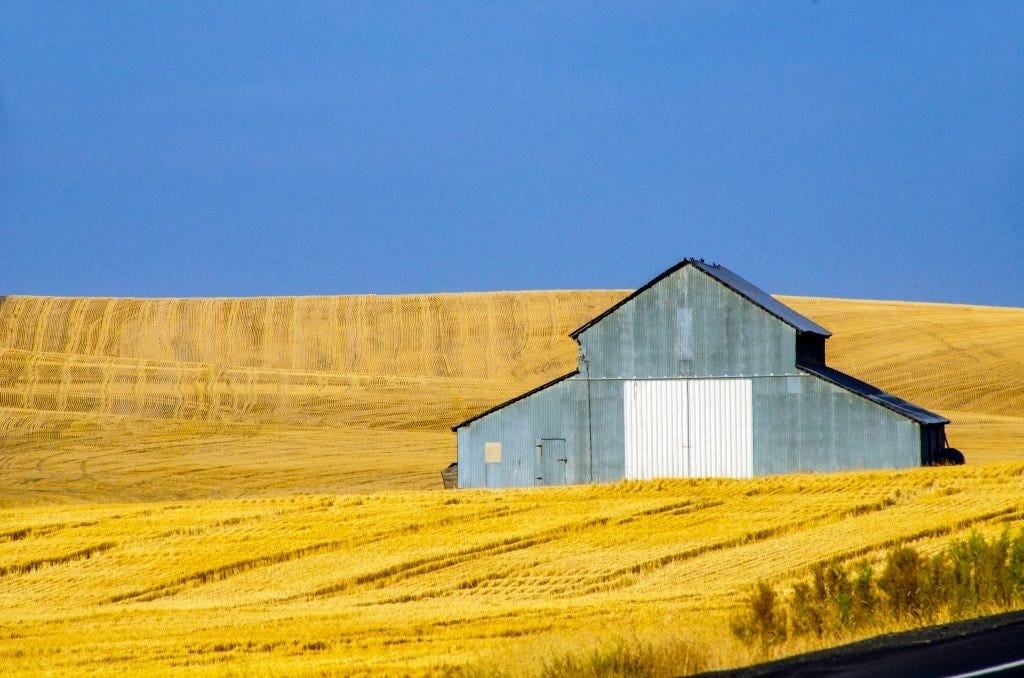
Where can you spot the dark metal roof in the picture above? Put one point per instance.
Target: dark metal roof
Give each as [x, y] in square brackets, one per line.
[516, 399]
[874, 394]
[743, 287]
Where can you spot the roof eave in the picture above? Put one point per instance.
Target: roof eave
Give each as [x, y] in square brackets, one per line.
[874, 394]
[601, 316]
[516, 399]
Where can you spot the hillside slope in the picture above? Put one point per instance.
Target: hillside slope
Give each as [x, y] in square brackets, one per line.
[148, 399]
[135, 399]
[229, 463]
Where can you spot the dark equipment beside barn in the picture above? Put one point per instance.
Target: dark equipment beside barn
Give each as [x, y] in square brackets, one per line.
[450, 476]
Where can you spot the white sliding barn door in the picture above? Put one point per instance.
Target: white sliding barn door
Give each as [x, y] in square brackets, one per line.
[721, 426]
[656, 434]
[692, 428]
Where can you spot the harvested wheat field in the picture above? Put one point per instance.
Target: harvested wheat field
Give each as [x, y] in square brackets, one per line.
[252, 486]
[114, 399]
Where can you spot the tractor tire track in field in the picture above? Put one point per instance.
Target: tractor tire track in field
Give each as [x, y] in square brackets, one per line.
[33, 565]
[238, 567]
[622, 577]
[429, 565]
[1006, 515]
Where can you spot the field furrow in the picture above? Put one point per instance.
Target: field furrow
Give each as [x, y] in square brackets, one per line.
[465, 572]
[232, 486]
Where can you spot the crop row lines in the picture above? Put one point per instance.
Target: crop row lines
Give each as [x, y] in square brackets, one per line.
[608, 581]
[33, 565]
[225, 571]
[420, 566]
[1005, 515]
[222, 572]
[676, 509]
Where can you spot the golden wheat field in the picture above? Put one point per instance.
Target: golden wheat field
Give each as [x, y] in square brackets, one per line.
[251, 486]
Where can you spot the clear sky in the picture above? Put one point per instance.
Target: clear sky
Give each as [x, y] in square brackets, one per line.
[844, 149]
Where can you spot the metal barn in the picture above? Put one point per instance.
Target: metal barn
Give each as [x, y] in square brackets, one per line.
[698, 373]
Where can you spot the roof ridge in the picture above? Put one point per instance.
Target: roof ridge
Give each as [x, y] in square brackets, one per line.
[733, 281]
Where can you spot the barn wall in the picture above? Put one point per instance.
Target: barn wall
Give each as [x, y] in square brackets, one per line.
[557, 413]
[804, 423]
[688, 325]
[609, 439]
[799, 423]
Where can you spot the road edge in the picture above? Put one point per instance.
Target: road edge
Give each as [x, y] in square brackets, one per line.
[819, 662]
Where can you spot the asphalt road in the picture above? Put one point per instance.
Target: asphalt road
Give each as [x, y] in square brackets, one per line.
[963, 649]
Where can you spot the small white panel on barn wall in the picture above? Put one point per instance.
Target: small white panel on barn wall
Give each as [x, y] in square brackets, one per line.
[492, 453]
[692, 428]
[655, 428]
[721, 427]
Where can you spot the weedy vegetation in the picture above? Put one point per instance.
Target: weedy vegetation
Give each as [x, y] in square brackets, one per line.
[971, 577]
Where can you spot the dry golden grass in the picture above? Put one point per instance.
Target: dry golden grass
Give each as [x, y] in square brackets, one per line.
[268, 396]
[133, 399]
[251, 486]
[416, 581]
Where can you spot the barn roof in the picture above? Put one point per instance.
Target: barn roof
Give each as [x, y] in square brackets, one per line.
[516, 399]
[741, 286]
[874, 394]
[776, 308]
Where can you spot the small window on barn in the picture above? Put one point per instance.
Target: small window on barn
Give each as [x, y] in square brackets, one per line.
[492, 453]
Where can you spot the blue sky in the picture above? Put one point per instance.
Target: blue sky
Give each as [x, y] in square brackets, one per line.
[847, 149]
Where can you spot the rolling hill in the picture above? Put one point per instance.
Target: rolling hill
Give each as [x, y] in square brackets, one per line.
[107, 399]
[135, 399]
[220, 486]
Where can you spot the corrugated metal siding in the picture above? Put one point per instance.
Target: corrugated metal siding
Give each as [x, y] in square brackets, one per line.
[721, 428]
[657, 435]
[688, 325]
[555, 413]
[729, 278]
[821, 427]
[688, 428]
[607, 431]
[653, 398]
[796, 423]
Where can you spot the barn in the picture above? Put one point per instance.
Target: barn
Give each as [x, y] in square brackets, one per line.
[699, 373]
